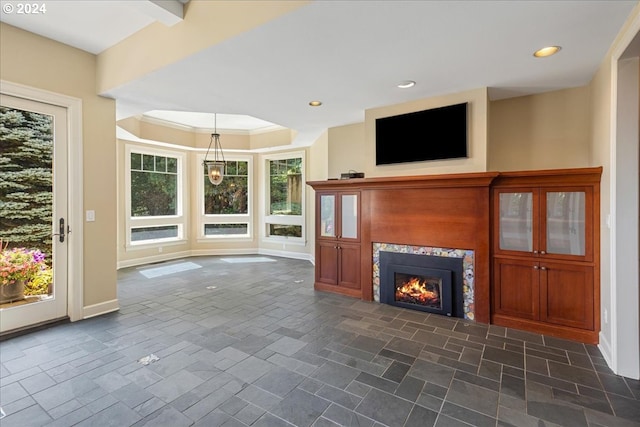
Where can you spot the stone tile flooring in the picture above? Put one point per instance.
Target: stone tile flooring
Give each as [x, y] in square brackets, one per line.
[251, 344]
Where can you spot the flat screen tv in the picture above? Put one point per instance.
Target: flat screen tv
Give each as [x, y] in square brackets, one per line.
[435, 134]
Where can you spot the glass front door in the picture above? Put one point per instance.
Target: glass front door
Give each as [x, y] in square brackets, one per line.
[33, 213]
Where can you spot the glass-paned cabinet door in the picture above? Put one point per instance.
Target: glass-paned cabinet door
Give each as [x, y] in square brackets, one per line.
[565, 223]
[516, 222]
[328, 215]
[349, 216]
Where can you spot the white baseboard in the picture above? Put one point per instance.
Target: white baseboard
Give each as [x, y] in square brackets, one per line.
[285, 254]
[208, 252]
[154, 258]
[605, 349]
[100, 308]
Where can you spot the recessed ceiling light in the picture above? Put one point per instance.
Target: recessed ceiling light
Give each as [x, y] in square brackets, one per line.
[546, 51]
[315, 103]
[406, 84]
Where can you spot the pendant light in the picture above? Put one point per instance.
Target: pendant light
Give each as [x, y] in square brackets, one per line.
[215, 167]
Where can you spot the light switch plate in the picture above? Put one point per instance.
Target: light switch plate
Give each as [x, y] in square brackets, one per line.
[90, 216]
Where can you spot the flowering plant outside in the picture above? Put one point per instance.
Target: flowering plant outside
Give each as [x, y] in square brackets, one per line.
[20, 264]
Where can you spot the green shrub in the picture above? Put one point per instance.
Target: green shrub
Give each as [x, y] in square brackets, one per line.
[39, 285]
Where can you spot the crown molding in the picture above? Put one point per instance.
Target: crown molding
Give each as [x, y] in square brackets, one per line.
[182, 127]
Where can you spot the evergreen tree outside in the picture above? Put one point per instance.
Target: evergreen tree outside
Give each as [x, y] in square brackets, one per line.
[154, 185]
[26, 179]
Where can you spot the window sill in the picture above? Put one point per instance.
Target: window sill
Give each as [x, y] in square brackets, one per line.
[215, 239]
[300, 241]
[155, 244]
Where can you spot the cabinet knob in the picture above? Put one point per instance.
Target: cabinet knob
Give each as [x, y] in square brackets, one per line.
[543, 268]
[542, 252]
[535, 252]
[535, 267]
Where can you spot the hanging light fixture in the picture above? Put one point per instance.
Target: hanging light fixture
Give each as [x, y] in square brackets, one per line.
[215, 167]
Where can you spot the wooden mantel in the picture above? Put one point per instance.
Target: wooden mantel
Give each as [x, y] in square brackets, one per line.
[477, 179]
[447, 211]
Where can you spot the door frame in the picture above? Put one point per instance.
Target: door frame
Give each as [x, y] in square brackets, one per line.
[623, 351]
[75, 292]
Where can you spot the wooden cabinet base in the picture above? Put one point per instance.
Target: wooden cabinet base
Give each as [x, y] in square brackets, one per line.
[350, 292]
[574, 334]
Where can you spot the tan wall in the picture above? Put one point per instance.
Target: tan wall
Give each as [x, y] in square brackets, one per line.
[477, 134]
[166, 134]
[544, 131]
[347, 147]
[277, 138]
[317, 168]
[41, 63]
[227, 141]
[131, 125]
[185, 137]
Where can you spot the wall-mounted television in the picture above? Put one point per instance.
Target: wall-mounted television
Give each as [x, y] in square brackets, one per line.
[434, 134]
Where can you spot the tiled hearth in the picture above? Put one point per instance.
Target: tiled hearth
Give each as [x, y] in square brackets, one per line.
[467, 267]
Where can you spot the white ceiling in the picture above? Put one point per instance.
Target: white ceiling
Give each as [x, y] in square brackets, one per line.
[92, 26]
[351, 55]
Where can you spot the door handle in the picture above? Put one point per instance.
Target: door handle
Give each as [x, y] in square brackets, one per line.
[62, 230]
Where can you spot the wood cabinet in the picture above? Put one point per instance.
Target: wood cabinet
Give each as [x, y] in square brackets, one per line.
[534, 237]
[440, 211]
[551, 292]
[338, 259]
[545, 252]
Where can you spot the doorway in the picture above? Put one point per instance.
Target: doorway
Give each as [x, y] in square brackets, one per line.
[625, 304]
[34, 223]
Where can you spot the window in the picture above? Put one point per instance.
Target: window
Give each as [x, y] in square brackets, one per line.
[154, 185]
[154, 196]
[139, 234]
[225, 208]
[284, 217]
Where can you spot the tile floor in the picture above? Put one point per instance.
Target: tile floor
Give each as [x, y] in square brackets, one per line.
[251, 344]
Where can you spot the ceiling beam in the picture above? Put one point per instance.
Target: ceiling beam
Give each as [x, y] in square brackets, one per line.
[169, 12]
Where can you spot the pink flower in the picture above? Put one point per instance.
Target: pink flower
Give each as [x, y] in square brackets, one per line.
[20, 264]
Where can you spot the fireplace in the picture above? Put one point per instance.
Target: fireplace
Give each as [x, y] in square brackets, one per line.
[432, 284]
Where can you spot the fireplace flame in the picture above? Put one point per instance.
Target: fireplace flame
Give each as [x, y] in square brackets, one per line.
[417, 292]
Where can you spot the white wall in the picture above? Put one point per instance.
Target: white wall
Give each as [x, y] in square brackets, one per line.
[614, 146]
[624, 307]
